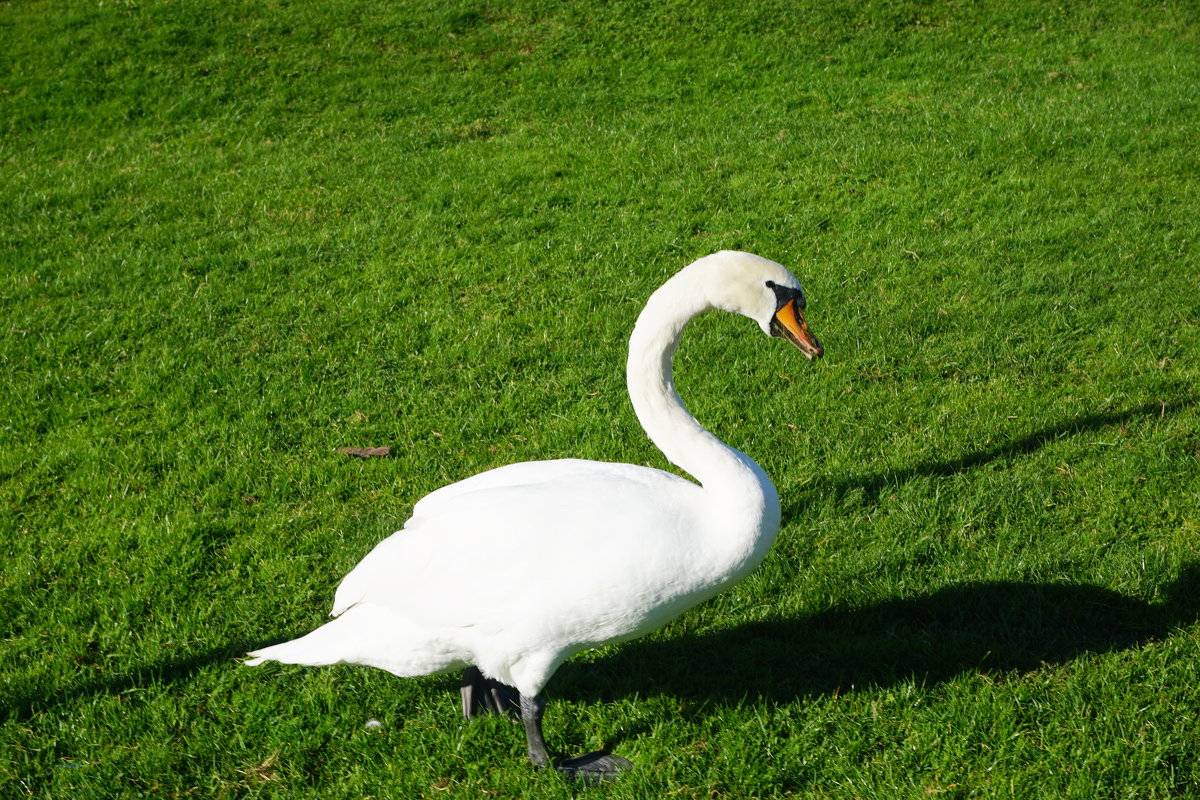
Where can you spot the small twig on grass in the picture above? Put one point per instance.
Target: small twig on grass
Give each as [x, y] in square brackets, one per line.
[365, 452]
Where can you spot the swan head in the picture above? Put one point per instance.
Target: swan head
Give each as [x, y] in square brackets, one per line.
[763, 290]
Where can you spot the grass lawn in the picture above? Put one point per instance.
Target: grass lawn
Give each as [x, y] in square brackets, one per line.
[236, 236]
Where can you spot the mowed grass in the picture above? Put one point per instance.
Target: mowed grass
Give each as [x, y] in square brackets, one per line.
[236, 236]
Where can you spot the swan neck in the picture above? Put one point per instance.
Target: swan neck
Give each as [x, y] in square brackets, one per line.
[683, 440]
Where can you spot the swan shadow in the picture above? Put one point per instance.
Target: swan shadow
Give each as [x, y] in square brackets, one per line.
[168, 670]
[986, 627]
[1016, 626]
[872, 486]
[989, 628]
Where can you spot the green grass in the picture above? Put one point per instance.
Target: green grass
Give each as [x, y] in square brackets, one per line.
[236, 236]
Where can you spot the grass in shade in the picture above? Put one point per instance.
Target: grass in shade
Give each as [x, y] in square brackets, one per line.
[236, 236]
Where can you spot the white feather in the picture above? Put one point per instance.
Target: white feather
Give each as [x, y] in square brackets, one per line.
[518, 568]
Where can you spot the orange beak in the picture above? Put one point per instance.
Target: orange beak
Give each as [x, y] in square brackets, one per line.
[789, 324]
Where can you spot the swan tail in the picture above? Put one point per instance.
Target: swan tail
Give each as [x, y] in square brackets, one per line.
[370, 635]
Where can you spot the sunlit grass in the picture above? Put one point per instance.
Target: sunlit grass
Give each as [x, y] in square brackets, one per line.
[236, 237]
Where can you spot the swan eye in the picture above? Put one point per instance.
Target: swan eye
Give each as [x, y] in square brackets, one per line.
[785, 294]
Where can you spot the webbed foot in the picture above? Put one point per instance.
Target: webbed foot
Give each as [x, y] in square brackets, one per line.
[482, 695]
[592, 768]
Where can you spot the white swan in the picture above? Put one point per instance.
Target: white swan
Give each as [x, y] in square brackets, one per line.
[516, 569]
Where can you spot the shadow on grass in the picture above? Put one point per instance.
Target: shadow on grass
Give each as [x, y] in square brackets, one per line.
[978, 627]
[991, 628]
[872, 486]
[984, 627]
[166, 671]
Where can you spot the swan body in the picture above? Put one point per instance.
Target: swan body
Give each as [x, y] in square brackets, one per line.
[514, 570]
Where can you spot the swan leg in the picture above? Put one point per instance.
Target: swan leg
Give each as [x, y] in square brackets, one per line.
[589, 768]
[482, 695]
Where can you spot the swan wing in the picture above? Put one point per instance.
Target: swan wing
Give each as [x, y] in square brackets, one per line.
[531, 473]
[577, 549]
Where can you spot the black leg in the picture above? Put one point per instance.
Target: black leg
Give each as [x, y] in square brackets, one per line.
[532, 709]
[482, 695]
[589, 768]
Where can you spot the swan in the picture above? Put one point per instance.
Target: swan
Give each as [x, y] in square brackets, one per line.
[509, 573]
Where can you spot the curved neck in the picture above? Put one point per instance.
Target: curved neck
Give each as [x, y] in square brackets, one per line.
[683, 440]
